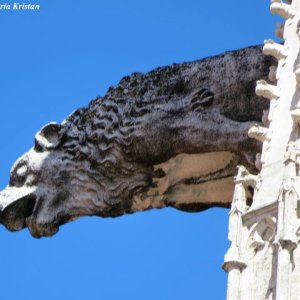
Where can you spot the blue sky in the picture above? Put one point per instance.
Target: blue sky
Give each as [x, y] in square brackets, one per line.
[59, 58]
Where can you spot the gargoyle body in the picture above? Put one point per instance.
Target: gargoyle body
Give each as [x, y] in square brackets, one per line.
[171, 137]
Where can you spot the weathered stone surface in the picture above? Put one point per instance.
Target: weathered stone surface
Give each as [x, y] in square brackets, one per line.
[171, 137]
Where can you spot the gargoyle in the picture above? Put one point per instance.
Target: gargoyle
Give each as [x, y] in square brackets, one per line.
[171, 137]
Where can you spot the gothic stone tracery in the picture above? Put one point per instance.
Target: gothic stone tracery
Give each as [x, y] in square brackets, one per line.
[263, 260]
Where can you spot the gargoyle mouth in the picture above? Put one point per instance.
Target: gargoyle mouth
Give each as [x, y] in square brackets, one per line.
[14, 216]
[23, 213]
[26, 210]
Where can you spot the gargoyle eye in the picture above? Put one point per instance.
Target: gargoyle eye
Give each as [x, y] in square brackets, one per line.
[18, 175]
[22, 171]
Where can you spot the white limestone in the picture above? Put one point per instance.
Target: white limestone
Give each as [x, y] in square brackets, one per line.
[276, 50]
[263, 261]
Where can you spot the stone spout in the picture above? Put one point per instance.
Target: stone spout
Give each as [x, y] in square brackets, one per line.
[170, 137]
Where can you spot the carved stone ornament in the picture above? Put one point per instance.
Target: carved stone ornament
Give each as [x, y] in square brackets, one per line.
[170, 137]
[266, 234]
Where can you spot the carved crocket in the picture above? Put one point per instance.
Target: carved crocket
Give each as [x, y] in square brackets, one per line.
[171, 137]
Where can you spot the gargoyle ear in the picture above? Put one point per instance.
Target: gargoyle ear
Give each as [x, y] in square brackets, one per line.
[49, 137]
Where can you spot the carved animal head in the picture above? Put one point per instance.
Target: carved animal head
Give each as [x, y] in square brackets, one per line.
[65, 176]
[38, 195]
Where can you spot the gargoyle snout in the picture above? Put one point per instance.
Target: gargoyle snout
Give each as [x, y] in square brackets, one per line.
[15, 206]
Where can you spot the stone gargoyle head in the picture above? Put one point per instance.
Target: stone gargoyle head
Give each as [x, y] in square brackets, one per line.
[40, 182]
[171, 137]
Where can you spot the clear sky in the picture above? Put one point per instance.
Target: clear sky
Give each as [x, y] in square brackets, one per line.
[57, 59]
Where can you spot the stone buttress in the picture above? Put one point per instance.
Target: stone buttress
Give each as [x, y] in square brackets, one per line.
[263, 261]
